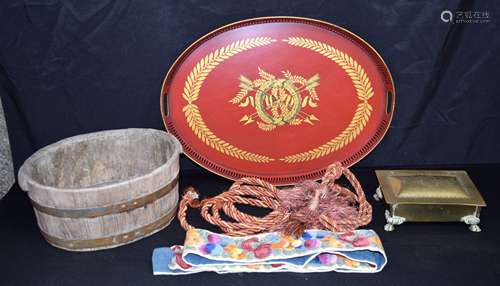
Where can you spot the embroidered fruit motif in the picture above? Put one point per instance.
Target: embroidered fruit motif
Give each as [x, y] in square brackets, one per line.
[312, 243]
[280, 244]
[234, 251]
[210, 248]
[250, 244]
[264, 247]
[215, 239]
[306, 235]
[260, 251]
[361, 242]
[192, 238]
[296, 243]
[327, 259]
[346, 235]
[351, 263]
[355, 240]
[263, 251]
[332, 242]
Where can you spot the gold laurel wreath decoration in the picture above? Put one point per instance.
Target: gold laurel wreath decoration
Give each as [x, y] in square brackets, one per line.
[364, 92]
[191, 93]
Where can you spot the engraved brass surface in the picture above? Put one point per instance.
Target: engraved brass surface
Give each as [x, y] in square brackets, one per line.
[429, 195]
[427, 213]
[428, 187]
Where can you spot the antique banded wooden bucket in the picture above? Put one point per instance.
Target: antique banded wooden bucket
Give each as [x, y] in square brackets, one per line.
[103, 189]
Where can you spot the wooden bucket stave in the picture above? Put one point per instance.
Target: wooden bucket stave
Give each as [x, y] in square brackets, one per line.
[104, 189]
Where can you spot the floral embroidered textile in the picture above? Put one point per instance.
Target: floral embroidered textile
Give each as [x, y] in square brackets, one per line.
[315, 251]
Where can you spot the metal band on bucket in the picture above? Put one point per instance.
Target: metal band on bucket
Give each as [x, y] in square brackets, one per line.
[110, 240]
[108, 209]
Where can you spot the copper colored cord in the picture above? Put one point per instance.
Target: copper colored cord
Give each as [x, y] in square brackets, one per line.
[308, 205]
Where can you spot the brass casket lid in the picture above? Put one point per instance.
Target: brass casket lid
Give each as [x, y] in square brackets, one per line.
[428, 187]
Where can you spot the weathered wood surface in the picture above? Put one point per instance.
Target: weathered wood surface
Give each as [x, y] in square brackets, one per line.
[89, 173]
[6, 167]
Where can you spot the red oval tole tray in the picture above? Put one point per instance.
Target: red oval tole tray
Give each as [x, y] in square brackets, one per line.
[279, 98]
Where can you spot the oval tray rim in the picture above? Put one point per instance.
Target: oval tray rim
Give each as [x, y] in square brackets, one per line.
[280, 180]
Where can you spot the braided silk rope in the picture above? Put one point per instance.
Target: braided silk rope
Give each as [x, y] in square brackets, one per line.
[323, 205]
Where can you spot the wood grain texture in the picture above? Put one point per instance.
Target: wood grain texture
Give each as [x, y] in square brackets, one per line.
[6, 167]
[98, 169]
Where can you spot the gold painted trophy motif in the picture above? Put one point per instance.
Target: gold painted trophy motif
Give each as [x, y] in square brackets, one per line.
[277, 101]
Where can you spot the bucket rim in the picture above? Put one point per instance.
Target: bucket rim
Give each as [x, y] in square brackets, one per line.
[27, 183]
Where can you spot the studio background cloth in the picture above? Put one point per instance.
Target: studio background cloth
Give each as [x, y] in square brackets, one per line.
[72, 67]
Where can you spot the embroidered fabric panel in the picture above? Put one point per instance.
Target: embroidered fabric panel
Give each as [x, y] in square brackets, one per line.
[358, 251]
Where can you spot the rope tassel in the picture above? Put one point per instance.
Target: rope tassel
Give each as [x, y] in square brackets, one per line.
[308, 205]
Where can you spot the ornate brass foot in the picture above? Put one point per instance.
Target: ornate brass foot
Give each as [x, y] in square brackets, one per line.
[388, 227]
[378, 194]
[472, 221]
[392, 221]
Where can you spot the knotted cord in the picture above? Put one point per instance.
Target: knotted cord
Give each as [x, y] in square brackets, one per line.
[308, 205]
